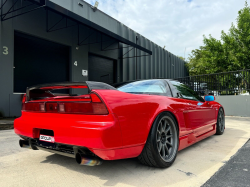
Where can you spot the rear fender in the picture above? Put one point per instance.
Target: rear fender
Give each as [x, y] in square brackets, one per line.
[136, 113]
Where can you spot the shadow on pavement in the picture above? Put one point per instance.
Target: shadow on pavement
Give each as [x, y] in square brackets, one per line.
[189, 163]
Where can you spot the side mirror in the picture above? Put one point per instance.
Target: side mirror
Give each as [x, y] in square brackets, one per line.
[209, 98]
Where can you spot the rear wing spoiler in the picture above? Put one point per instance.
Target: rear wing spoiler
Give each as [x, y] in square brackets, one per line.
[43, 89]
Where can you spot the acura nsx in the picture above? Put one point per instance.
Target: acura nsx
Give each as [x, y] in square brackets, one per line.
[93, 121]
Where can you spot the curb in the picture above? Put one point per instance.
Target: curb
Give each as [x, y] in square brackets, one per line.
[6, 126]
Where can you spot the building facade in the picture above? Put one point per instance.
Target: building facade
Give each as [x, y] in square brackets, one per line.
[45, 41]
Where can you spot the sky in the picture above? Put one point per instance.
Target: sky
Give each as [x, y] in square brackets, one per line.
[176, 24]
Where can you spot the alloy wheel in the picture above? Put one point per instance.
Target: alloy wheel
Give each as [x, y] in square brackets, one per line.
[166, 138]
[221, 121]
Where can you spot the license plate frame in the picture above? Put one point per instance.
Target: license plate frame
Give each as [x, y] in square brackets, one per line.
[46, 138]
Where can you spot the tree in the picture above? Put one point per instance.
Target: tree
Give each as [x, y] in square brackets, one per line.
[182, 58]
[230, 53]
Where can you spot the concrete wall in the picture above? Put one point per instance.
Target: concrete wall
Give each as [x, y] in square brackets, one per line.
[235, 105]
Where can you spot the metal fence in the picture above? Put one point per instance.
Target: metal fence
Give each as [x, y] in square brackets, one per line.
[226, 83]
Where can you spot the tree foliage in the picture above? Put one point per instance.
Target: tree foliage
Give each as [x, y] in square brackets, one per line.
[230, 53]
[182, 58]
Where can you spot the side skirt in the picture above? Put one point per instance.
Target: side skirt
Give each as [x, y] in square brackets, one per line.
[190, 139]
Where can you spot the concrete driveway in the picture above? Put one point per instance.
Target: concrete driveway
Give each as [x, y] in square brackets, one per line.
[193, 166]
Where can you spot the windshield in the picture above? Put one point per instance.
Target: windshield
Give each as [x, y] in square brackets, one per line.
[147, 86]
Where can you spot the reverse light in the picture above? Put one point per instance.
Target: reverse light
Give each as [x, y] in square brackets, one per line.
[42, 107]
[61, 107]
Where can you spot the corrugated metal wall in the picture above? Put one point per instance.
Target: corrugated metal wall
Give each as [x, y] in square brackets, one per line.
[162, 64]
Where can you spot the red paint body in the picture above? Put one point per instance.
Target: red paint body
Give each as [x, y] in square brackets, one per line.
[123, 132]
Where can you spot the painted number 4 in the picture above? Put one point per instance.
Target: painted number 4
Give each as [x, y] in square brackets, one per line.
[5, 50]
[75, 63]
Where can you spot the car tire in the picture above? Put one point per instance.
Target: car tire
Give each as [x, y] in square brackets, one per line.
[220, 126]
[162, 144]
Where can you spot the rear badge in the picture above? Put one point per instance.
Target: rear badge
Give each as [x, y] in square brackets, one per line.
[47, 138]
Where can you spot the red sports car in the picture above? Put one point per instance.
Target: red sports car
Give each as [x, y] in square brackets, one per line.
[148, 119]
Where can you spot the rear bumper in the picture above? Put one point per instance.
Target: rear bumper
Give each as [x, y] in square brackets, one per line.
[100, 134]
[72, 150]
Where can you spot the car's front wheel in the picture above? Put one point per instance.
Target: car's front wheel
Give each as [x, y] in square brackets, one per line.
[162, 144]
[220, 126]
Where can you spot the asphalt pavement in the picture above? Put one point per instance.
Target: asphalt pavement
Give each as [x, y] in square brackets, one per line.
[236, 172]
[196, 165]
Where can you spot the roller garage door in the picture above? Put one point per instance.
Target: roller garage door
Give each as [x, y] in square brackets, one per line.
[102, 69]
[38, 61]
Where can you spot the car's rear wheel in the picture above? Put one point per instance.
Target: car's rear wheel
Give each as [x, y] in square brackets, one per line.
[162, 144]
[220, 127]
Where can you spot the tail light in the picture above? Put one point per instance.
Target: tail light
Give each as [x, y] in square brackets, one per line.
[93, 107]
[23, 101]
[24, 98]
[97, 105]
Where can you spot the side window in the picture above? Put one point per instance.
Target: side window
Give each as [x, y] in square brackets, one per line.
[186, 92]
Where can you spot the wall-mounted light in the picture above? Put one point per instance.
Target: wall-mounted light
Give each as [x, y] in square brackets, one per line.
[94, 8]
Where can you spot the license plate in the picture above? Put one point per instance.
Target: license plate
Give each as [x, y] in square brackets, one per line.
[47, 138]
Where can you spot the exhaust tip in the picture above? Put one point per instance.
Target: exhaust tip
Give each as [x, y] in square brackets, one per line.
[87, 161]
[78, 158]
[24, 144]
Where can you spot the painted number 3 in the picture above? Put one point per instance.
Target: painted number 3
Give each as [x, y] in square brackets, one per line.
[5, 50]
